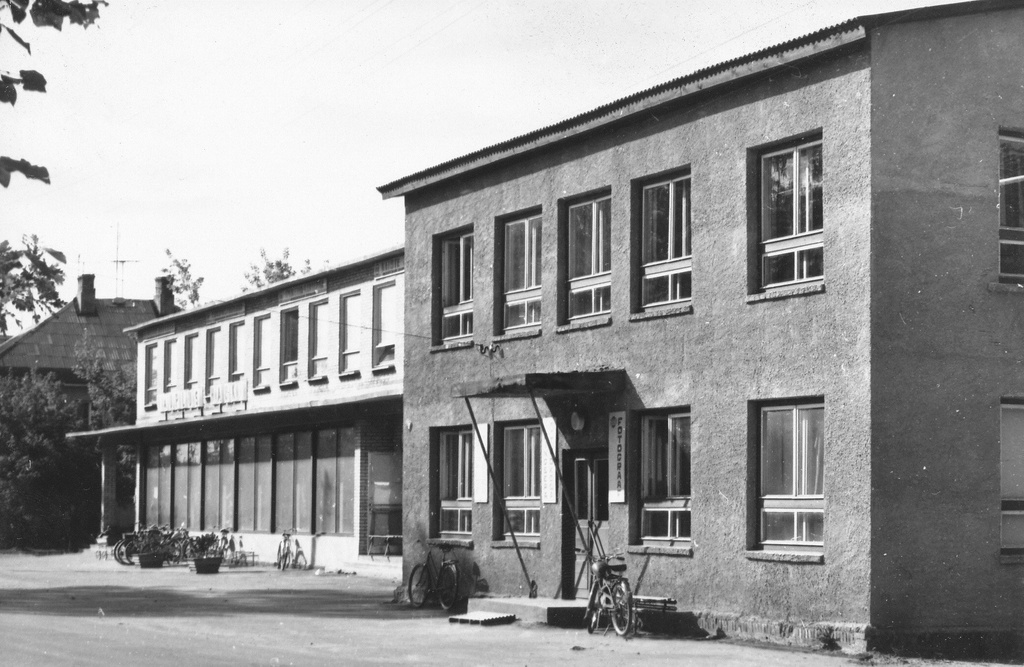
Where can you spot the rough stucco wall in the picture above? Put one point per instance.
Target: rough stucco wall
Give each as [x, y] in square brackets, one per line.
[946, 348]
[717, 361]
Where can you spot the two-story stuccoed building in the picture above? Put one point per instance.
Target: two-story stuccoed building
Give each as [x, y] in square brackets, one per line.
[766, 318]
[278, 410]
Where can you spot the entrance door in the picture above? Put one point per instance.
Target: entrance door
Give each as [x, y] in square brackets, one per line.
[588, 481]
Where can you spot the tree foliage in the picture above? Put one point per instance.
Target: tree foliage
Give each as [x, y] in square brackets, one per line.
[49, 485]
[28, 282]
[269, 271]
[51, 13]
[185, 286]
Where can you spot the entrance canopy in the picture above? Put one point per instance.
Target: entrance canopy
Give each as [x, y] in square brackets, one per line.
[545, 385]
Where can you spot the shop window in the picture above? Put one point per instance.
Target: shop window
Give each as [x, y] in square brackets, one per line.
[665, 477]
[236, 370]
[261, 351]
[219, 485]
[189, 376]
[289, 345]
[457, 286]
[1011, 208]
[589, 258]
[170, 365]
[150, 375]
[665, 232]
[263, 482]
[1011, 478]
[158, 485]
[188, 491]
[792, 216]
[294, 475]
[521, 452]
[386, 327]
[318, 333]
[212, 367]
[522, 257]
[336, 481]
[792, 458]
[246, 454]
[456, 481]
[349, 337]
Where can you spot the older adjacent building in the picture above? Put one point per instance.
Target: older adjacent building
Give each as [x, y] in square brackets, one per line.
[758, 328]
[278, 410]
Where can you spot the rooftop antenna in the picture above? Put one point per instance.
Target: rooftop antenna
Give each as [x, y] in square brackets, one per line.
[119, 265]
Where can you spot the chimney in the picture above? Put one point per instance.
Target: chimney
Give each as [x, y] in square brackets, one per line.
[85, 302]
[163, 299]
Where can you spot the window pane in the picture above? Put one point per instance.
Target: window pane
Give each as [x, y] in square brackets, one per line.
[680, 456]
[581, 303]
[779, 268]
[1011, 258]
[284, 517]
[655, 524]
[451, 272]
[777, 452]
[190, 360]
[211, 509]
[810, 527]
[1011, 158]
[289, 336]
[304, 481]
[533, 269]
[151, 374]
[165, 498]
[777, 196]
[264, 479]
[449, 466]
[777, 526]
[247, 484]
[1011, 204]
[227, 484]
[515, 444]
[533, 461]
[656, 223]
[347, 480]
[349, 331]
[604, 229]
[811, 263]
[533, 311]
[682, 286]
[170, 365]
[811, 217]
[467, 268]
[655, 459]
[581, 241]
[681, 219]
[234, 351]
[603, 299]
[812, 465]
[327, 481]
[656, 289]
[515, 314]
[153, 492]
[515, 256]
[212, 369]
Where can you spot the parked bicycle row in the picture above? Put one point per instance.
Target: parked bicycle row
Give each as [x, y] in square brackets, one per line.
[174, 546]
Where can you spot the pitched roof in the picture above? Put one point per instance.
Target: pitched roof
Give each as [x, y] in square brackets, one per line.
[50, 345]
[758, 62]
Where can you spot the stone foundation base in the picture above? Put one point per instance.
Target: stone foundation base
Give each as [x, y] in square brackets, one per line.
[848, 637]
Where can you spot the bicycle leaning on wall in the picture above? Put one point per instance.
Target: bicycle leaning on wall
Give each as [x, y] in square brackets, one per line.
[610, 595]
[289, 553]
[427, 580]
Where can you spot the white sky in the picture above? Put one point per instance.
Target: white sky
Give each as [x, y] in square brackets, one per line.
[215, 129]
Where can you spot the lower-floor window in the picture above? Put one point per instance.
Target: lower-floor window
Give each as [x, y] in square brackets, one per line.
[294, 476]
[336, 481]
[188, 489]
[521, 471]
[255, 474]
[665, 475]
[1011, 478]
[158, 485]
[219, 497]
[456, 481]
[792, 458]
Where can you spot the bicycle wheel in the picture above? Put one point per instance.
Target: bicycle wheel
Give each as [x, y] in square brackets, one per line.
[419, 585]
[592, 619]
[622, 607]
[448, 585]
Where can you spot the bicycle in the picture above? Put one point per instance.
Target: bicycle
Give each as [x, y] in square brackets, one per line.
[286, 557]
[426, 580]
[610, 596]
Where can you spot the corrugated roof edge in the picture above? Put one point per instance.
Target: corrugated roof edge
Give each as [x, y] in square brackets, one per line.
[213, 305]
[609, 112]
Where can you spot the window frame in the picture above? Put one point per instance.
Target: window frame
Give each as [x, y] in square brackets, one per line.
[676, 506]
[457, 470]
[1010, 236]
[260, 352]
[149, 375]
[597, 281]
[796, 503]
[803, 239]
[457, 299]
[348, 332]
[236, 370]
[212, 371]
[188, 377]
[528, 297]
[672, 268]
[385, 341]
[289, 360]
[317, 349]
[170, 377]
[526, 505]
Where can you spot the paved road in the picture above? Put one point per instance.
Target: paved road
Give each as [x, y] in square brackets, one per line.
[77, 610]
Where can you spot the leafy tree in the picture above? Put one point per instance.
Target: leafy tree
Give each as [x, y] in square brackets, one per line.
[44, 13]
[28, 282]
[185, 286]
[48, 485]
[271, 271]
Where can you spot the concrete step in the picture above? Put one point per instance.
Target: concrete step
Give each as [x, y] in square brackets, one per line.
[560, 613]
[378, 567]
[483, 618]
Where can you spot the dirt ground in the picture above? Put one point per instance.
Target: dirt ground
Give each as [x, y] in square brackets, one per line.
[75, 609]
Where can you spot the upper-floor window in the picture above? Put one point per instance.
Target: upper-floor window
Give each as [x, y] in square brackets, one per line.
[235, 368]
[522, 272]
[212, 367]
[318, 326]
[665, 487]
[190, 376]
[457, 286]
[456, 483]
[521, 470]
[590, 258]
[289, 345]
[665, 227]
[792, 475]
[1011, 207]
[792, 219]
[261, 351]
[348, 356]
[171, 368]
[150, 375]
[386, 318]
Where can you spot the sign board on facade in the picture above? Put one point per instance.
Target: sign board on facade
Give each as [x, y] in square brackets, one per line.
[193, 399]
[617, 457]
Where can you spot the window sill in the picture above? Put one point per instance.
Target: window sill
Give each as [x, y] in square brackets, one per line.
[582, 325]
[523, 544]
[1007, 288]
[383, 370]
[452, 345]
[149, 407]
[787, 292]
[786, 556]
[517, 335]
[658, 313]
[320, 379]
[462, 543]
[349, 375]
[646, 550]
[262, 389]
[290, 384]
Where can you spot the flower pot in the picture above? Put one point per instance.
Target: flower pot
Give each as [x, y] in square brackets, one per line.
[152, 559]
[208, 564]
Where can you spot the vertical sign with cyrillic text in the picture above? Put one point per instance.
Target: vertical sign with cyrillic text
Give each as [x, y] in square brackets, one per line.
[617, 457]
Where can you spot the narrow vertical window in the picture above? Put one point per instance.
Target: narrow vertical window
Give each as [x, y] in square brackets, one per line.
[522, 273]
[1011, 208]
[261, 352]
[1011, 478]
[386, 327]
[289, 345]
[350, 330]
[665, 223]
[150, 375]
[665, 477]
[212, 365]
[235, 368]
[171, 367]
[318, 324]
[456, 482]
[792, 215]
[590, 258]
[521, 451]
[792, 475]
[457, 286]
[190, 376]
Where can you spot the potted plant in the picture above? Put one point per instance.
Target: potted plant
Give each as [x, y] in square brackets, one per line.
[209, 553]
